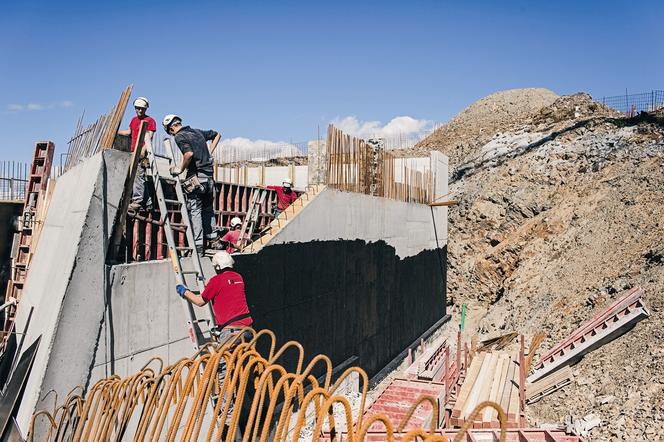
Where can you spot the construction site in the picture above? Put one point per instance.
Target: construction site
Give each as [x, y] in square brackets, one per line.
[499, 280]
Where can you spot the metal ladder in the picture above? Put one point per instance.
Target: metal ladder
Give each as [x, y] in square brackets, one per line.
[251, 220]
[198, 336]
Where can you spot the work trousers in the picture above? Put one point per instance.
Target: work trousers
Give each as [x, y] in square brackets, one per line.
[221, 373]
[142, 193]
[200, 204]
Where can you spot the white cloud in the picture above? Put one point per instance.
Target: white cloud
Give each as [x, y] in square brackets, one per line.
[242, 149]
[38, 106]
[403, 126]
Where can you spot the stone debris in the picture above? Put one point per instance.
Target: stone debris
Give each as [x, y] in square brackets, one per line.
[581, 426]
[560, 211]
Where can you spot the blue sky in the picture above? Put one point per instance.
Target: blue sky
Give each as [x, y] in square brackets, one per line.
[277, 70]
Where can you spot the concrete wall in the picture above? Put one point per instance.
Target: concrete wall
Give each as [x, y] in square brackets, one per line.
[334, 215]
[145, 319]
[351, 275]
[65, 285]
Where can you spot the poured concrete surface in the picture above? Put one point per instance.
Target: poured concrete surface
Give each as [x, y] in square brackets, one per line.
[145, 319]
[339, 288]
[65, 285]
[334, 215]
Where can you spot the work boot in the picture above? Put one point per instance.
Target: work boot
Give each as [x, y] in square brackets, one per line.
[134, 206]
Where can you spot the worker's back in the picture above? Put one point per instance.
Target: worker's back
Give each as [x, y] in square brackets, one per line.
[226, 292]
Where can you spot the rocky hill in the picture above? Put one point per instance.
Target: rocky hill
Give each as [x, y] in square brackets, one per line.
[460, 137]
[561, 210]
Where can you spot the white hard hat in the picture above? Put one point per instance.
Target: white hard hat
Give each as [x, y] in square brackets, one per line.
[222, 260]
[169, 119]
[236, 221]
[287, 182]
[141, 102]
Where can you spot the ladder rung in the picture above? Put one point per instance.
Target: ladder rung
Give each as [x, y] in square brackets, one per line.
[167, 179]
[158, 155]
[190, 272]
[184, 248]
[167, 201]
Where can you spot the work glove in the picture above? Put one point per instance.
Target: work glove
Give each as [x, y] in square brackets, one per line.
[181, 290]
[175, 170]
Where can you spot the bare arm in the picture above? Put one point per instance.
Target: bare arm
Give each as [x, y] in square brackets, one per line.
[194, 298]
[124, 132]
[186, 159]
[148, 139]
[213, 144]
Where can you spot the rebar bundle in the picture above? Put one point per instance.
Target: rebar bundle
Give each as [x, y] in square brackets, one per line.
[356, 165]
[185, 401]
[99, 135]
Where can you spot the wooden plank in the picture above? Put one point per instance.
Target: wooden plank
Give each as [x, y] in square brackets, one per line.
[509, 374]
[514, 406]
[444, 203]
[477, 387]
[487, 384]
[467, 385]
[546, 382]
[127, 192]
[496, 387]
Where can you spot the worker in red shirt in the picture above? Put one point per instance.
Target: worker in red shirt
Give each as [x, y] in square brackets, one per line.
[285, 196]
[226, 292]
[231, 238]
[141, 198]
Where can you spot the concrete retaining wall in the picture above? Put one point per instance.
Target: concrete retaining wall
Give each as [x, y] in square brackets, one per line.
[334, 215]
[65, 283]
[351, 275]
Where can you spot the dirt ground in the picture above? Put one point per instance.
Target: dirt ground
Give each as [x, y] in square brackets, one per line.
[558, 216]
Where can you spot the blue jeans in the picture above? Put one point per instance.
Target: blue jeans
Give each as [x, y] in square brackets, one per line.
[141, 192]
[200, 204]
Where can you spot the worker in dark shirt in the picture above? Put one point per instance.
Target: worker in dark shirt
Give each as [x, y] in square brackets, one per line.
[199, 183]
[226, 292]
[285, 196]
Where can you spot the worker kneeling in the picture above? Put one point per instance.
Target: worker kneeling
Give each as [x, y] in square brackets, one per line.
[226, 292]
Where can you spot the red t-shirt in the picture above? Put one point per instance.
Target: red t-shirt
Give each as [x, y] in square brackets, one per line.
[135, 126]
[226, 292]
[232, 236]
[283, 199]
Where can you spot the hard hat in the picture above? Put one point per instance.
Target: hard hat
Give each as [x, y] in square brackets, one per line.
[141, 102]
[170, 119]
[222, 260]
[287, 182]
[236, 221]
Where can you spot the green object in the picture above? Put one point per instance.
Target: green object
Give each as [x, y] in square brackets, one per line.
[463, 316]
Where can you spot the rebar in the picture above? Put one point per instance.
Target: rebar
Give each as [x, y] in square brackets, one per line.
[171, 404]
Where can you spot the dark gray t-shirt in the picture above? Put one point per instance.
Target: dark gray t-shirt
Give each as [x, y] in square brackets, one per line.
[195, 140]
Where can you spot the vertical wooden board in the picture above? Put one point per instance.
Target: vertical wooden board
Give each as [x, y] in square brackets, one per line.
[487, 383]
[498, 379]
[468, 383]
[477, 387]
[513, 408]
[509, 374]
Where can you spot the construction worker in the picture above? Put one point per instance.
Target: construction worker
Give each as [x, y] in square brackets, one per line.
[231, 238]
[226, 292]
[285, 196]
[199, 184]
[141, 198]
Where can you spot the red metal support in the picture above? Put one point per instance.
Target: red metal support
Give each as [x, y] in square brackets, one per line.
[522, 375]
[448, 377]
